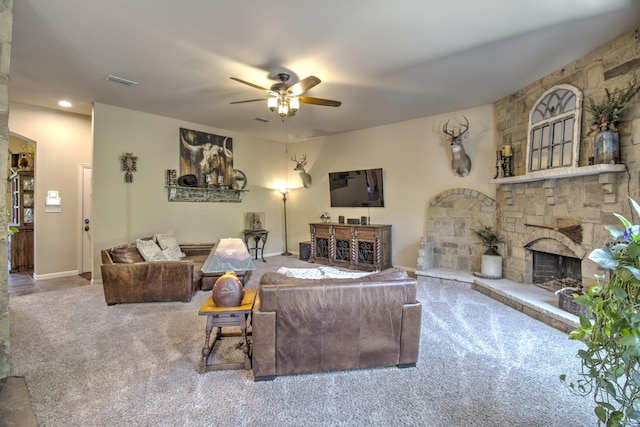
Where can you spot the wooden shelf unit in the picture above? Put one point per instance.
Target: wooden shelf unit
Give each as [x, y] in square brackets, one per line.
[357, 247]
[22, 214]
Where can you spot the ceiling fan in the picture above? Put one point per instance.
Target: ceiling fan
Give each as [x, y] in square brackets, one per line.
[286, 98]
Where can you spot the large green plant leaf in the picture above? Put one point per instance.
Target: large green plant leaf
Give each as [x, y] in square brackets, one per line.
[629, 340]
[634, 271]
[623, 220]
[633, 250]
[635, 205]
[615, 232]
[604, 257]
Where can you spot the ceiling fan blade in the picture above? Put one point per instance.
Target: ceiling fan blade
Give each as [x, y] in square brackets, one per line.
[249, 84]
[303, 85]
[319, 101]
[248, 100]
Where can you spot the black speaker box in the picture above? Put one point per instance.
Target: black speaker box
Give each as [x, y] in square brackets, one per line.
[353, 221]
[305, 251]
[341, 219]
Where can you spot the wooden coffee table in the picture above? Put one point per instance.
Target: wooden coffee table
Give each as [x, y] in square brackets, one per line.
[226, 316]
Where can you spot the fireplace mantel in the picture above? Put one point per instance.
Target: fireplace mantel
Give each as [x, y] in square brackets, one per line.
[561, 173]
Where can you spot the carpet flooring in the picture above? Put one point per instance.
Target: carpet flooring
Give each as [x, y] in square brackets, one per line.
[481, 364]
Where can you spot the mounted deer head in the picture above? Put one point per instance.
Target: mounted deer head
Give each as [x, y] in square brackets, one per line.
[461, 162]
[300, 164]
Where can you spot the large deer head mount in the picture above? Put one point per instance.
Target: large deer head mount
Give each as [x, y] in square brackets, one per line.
[461, 162]
[300, 164]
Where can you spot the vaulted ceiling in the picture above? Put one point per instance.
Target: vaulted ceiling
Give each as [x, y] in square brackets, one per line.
[386, 61]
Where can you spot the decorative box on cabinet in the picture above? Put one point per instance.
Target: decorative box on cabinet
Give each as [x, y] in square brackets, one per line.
[357, 247]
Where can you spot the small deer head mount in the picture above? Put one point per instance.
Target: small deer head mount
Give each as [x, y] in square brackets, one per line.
[300, 164]
[461, 162]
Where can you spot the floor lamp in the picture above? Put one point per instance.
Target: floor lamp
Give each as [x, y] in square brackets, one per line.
[284, 192]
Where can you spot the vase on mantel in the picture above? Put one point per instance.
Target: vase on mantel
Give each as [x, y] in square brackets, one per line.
[606, 147]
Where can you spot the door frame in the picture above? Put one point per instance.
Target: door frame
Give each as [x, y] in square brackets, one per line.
[83, 167]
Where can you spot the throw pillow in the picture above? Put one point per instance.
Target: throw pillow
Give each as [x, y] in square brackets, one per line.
[150, 250]
[126, 254]
[169, 245]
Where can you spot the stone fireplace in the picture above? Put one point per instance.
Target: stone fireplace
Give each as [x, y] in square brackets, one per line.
[549, 225]
[551, 265]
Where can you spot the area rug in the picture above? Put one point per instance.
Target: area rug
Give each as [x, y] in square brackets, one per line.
[481, 364]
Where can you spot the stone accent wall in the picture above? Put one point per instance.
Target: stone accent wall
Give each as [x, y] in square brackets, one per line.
[6, 26]
[451, 243]
[558, 203]
[609, 67]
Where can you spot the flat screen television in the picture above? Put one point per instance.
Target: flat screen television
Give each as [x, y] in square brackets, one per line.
[357, 188]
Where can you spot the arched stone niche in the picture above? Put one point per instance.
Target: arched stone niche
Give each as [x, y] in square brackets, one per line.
[451, 218]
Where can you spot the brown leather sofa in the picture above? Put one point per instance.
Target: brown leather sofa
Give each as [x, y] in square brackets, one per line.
[305, 325]
[126, 277]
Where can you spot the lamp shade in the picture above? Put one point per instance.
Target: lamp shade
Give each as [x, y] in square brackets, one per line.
[272, 103]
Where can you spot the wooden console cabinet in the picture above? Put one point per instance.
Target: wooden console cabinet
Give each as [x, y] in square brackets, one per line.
[357, 247]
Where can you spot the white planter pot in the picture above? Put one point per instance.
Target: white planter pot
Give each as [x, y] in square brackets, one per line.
[492, 266]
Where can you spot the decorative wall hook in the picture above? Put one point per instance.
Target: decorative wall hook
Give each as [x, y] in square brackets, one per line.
[129, 166]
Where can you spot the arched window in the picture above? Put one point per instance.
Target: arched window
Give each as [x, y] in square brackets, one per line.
[554, 129]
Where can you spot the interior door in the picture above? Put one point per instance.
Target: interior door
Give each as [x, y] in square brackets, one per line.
[87, 251]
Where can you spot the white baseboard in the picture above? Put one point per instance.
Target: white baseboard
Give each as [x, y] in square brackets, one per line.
[55, 275]
[293, 254]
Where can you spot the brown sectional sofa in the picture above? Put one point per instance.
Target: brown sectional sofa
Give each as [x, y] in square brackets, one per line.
[306, 325]
[126, 277]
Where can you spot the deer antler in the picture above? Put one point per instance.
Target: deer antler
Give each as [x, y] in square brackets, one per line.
[464, 129]
[301, 162]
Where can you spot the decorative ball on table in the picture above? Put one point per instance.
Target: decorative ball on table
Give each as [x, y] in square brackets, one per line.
[228, 290]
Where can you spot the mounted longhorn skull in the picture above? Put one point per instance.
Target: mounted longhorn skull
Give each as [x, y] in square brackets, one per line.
[461, 162]
[306, 178]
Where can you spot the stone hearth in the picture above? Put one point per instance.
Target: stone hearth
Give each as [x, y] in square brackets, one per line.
[533, 301]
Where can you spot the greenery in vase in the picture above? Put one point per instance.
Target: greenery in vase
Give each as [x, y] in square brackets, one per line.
[607, 113]
[489, 238]
[610, 363]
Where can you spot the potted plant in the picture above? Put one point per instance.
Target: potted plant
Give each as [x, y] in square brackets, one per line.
[610, 363]
[491, 259]
[606, 116]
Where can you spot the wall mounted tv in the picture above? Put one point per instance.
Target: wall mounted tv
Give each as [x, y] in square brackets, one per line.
[357, 188]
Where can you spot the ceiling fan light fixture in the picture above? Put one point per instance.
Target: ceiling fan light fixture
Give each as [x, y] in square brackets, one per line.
[283, 109]
[294, 104]
[285, 98]
[272, 103]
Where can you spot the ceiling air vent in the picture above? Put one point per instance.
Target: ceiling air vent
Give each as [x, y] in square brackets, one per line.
[263, 120]
[120, 80]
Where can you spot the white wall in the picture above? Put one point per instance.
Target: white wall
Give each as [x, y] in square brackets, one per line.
[123, 212]
[63, 142]
[416, 162]
[414, 155]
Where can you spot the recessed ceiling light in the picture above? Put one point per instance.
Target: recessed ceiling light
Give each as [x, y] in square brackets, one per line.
[64, 103]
